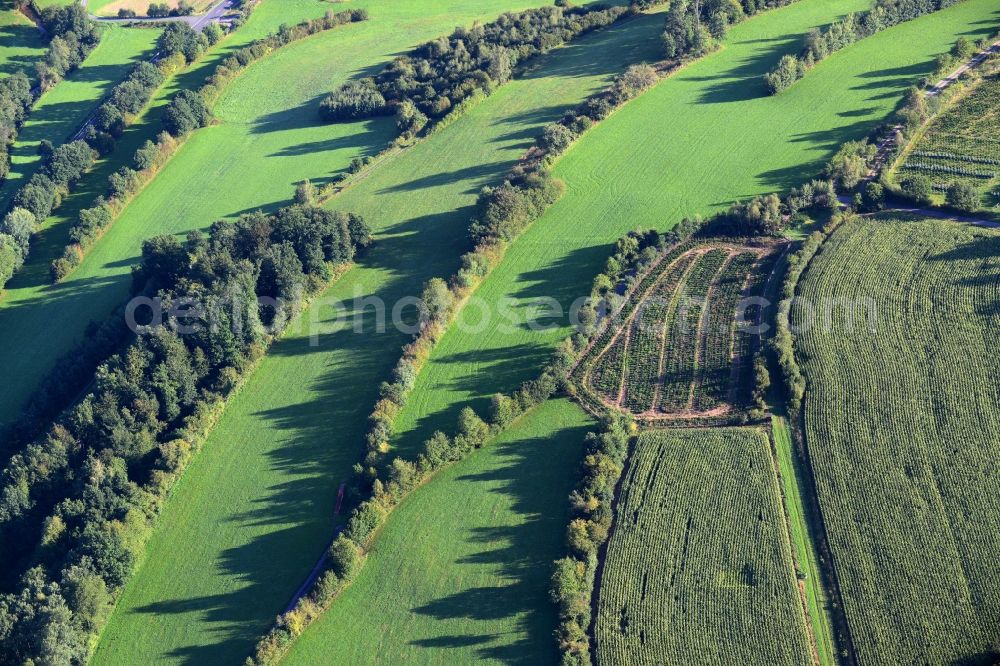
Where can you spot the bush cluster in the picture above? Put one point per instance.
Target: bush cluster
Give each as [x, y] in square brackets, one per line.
[163, 10]
[590, 502]
[768, 215]
[821, 43]
[439, 75]
[76, 504]
[695, 27]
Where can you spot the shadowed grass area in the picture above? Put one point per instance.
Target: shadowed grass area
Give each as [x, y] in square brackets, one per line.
[296, 429]
[21, 43]
[460, 572]
[698, 141]
[62, 110]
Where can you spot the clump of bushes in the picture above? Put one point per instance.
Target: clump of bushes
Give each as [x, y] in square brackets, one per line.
[852, 28]
[438, 76]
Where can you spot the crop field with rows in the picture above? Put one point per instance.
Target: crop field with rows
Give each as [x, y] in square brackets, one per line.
[698, 566]
[677, 348]
[963, 144]
[903, 432]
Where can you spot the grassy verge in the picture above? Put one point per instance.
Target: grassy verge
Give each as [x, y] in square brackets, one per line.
[801, 524]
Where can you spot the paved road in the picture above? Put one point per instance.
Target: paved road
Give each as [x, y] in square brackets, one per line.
[213, 15]
[954, 76]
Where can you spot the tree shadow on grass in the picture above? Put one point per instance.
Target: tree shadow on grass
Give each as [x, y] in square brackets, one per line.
[520, 555]
[318, 438]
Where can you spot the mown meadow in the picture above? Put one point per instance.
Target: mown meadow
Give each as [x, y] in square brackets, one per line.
[457, 586]
[901, 427]
[296, 429]
[718, 137]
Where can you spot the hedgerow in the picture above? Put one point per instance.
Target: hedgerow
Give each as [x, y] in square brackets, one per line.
[439, 75]
[854, 27]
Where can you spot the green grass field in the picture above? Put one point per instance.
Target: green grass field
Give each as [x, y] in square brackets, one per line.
[902, 430]
[461, 570]
[698, 566]
[62, 110]
[21, 43]
[296, 429]
[268, 119]
[725, 139]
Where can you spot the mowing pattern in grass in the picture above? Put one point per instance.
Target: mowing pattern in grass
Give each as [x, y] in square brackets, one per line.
[698, 567]
[21, 43]
[675, 352]
[963, 143]
[461, 570]
[727, 139]
[62, 110]
[297, 428]
[903, 431]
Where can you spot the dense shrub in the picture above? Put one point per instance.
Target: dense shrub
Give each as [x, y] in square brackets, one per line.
[179, 37]
[186, 112]
[848, 167]
[963, 196]
[437, 76]
[354, 99]
[694, 27]
[918, 189]
[853, 27]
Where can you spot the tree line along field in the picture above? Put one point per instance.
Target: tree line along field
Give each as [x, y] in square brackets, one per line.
[901, 426]
[264, 128]
[480, 369]
[679, 346]
[20, 42]
[729, 140]
[963, 144]
[61, 111]
[140, 7]
[698, 568]
[295, 431]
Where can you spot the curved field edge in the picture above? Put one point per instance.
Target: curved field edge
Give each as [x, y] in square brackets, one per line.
[296, 429]
[901, 424]
[698, 567]
[727, 140]
[460, 572]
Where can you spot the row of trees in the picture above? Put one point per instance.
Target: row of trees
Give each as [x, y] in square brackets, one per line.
[502, 212]
[694, 27]
[75, 505]
[439, 75]
[72, 36]
[852, 28]
[128, 98]
[187, 111]
[164, 10]
[61, 168]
